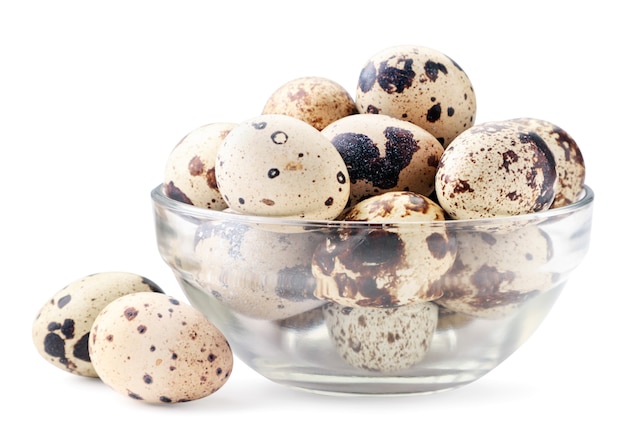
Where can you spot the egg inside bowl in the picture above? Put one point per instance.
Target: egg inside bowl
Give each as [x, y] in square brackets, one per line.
[343, 307]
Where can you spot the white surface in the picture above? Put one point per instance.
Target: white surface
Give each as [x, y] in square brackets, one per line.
[93, 98]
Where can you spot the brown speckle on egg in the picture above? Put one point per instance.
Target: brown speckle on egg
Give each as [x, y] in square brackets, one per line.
[130, 313]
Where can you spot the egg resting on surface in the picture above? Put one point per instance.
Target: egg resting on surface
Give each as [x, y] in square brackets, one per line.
[420, 85]
[315, 100]
[494, 169]
[385, 267]
[277, 165]
[154, 348]
[382, 340]
[62, 326]
[570, 164]
[383, 154]
[496, 272]
[261, 274]
[190, 169]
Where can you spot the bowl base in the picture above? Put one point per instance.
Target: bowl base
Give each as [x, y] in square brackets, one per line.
[334, 385]
[304, 356]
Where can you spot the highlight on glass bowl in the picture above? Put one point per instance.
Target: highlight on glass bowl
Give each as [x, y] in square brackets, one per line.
[376, 244]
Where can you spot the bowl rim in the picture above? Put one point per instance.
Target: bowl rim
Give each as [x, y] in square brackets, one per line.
[158, 197]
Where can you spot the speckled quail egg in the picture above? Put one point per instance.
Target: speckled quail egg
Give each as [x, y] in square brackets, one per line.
[383, 154]
[154, 348]
[570, 164]
[61, 329]
[382, 340]
[494, 169]
[496, 272]
[315, 100]
[190, 169]
[385, 266]
[420, 85]
[277, 165]
[261, 274]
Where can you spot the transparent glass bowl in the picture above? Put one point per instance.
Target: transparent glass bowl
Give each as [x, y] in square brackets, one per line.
[331, 306]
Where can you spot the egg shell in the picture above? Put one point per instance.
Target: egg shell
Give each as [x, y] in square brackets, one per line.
[421, 85]
[494, 169]
[570, 164]
[261, 274]
[277, 165]
[382, 340]
[383, 154]
[495, 273]
[385, 267]
[156, 349]
[61, 329]
[190, 169]
[315, 100]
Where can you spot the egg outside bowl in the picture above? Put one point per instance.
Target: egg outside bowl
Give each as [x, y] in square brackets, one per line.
[254, 278]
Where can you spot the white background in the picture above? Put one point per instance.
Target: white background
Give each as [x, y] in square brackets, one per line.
[94, 95]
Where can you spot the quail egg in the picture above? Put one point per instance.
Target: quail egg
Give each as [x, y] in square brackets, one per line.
[383, 154]
[496, 272]
[277, 165]
[421, 85]
[570, 164]
[495, 169]
[315, 100]
[262, 274]
[156, 349]
[382, 340]
[190, 170]
[61, 329]
[385, 267]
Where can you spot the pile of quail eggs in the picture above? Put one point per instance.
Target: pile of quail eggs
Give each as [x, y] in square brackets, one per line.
[406, 141]
[122, 328]
[315, 150]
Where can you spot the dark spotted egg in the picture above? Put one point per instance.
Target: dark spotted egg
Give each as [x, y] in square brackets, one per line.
[383, 153]
[262, 274]
[495, 169]
[156, 349]
[497, 272]
[382, 267]
[278, 165]
[570, 164]
[61, 329]
[420, 85]
[190, 169]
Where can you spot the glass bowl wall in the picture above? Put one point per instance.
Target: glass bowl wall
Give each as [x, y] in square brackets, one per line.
[339, 307]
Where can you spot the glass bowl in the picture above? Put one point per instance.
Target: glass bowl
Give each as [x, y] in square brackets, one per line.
[360, 308]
